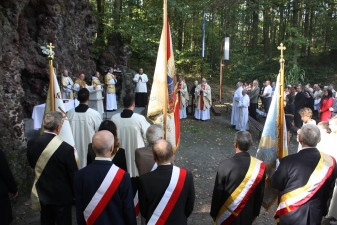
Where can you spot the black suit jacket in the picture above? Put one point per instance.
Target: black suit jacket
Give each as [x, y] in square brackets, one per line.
[55, 185]
[152, 188]
[231, 173]
[119, 210]
[7, 182]
[119, 159]
[294, 172]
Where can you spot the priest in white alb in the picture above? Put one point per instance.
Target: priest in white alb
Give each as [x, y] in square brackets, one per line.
[110, 81]
[131, 132]
[243, 104]
[203, 101]
[236, 98]
[181, 89]
[84, 123]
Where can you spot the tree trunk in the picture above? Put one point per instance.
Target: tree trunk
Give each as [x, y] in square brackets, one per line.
[295, 26]
[116, 14]
[255, 23]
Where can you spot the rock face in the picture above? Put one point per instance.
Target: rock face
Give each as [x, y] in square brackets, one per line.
[25, 26]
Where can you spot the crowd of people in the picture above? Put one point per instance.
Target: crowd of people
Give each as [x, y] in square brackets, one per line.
[127, 167]
[303, 106]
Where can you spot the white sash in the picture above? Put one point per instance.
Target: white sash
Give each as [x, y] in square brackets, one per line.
[110, 176]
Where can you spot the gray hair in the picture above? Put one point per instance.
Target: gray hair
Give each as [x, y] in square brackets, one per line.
[243, 139]
[52, 120]
[310, 135]
[154, 133]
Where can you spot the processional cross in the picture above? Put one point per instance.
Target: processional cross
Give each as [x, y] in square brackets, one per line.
[50, 56]
[282, 48]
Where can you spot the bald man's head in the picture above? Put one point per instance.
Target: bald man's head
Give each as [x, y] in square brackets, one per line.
[103, 143]
[162, 151]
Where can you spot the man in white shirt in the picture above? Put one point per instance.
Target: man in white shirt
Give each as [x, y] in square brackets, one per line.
[267, 94]
[141, 89]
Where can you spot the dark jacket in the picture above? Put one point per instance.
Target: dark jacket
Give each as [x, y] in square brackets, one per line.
[294, 172]
[119, 210]
[230, 175]
[7, 182]
[152, 188]
[55, 185]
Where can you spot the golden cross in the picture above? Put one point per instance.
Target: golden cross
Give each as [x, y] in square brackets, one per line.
[50, 46]
[282, 48]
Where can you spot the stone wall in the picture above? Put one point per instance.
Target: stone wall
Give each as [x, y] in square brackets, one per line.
[25, 25]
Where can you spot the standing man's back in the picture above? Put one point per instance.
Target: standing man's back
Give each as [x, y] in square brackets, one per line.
[84, 122]
[305, 181]
[131, 130]
[103, 191]
[239, 185]
[54, 163]
[156, 188]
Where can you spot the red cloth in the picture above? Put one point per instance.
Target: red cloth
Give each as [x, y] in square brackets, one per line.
[325, 105]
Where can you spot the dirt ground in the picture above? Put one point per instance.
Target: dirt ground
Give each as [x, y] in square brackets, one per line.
[203, 145]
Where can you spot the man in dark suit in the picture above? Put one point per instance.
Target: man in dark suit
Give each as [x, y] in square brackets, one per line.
[232, 174]
[54, 185]
[144, 156]
[157, 186]
[118, 206]
[7, 184]
[299, 102]
[298, 205]
[254, 97]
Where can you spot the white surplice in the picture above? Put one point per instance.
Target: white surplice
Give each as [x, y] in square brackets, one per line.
[84, 125]
[131, 133]
[235, 108]
[242, 123]
[111, 102]
[331, 141]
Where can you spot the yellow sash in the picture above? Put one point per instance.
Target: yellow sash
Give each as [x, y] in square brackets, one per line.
[226, 207]
[306, 192]
[53, 145]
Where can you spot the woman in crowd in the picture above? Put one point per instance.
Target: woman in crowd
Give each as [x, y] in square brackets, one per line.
[118, 154]
[289, 112]
[326, 103]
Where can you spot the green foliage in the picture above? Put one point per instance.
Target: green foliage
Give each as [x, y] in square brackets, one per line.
[294, 75]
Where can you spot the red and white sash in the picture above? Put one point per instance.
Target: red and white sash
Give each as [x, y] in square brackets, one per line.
[238, 199]
[103, 194]
[296, 198]
[170, 197]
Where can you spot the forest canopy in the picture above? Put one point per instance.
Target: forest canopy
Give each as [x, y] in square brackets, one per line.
[307, 28]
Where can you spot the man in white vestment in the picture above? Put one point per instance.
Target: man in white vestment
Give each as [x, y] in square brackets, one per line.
[203, 101]
[67, 86]
[236, 98]
[181, 89]
[110, 81]
[131, 132]
[96, 82]
[141, 89]
[84, 122]
[243, 104]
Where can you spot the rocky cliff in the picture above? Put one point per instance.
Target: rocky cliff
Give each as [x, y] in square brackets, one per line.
[25, 25]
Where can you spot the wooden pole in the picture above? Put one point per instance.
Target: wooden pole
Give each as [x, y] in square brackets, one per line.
[221, 65]
[51, 78]
[165, 33]
[281, 104]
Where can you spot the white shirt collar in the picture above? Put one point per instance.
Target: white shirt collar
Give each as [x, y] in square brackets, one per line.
[50, 132]
[103, 159]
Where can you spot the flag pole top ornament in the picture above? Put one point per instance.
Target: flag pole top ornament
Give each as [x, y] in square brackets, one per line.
[51, 52]
[282, 48]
